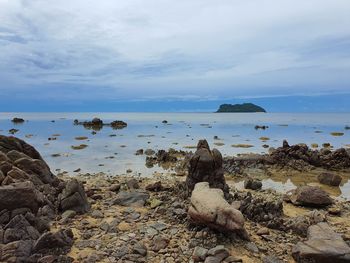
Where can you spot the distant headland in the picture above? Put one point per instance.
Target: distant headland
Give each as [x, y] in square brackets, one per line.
[244, 107]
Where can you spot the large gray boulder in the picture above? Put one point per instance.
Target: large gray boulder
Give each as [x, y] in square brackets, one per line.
[208, 207]
[323, 246]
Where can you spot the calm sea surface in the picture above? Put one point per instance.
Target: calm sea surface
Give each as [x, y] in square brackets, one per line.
[113, 151]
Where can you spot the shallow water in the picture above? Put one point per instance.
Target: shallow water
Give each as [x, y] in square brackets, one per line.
[114, 155]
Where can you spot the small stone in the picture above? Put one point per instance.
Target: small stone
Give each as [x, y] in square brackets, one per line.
[263, 231]
[199, 254]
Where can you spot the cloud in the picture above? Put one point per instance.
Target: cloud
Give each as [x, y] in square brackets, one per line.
[135, 49]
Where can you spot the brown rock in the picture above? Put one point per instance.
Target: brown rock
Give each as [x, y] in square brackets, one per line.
[206, 166]
[310, 196]
[329, 179]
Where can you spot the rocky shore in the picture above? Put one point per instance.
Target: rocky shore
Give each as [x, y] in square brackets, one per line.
[199, 217]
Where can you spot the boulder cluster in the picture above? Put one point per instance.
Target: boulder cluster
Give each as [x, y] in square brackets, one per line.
[97, 124]
[30, 197]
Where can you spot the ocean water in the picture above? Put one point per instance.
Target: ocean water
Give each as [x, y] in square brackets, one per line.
[113, 151]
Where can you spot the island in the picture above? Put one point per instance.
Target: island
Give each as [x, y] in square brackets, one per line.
[244, 107]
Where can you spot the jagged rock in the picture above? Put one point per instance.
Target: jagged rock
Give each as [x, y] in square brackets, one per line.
[18, 195]
[329, 179]
[74, 198]
[36, 168]
[323, 246]
[309, 196]
[8, 143]
[206, 166]
[209, 207]
[19, 229]
[17, 251]
[133, 198]
[61, 239]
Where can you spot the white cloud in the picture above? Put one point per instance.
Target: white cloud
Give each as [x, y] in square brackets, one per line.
[164, 47]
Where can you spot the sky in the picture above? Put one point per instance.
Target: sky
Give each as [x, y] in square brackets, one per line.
[183, 55]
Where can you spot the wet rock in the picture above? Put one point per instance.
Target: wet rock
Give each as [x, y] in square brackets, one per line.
[74, 198]
[206, 166]
[253, 184]
[164, 157]
[322, 246]
[329, 179]
[118, 124]
[208, 207]
[17, 120]
[133, 198]
[309, 196]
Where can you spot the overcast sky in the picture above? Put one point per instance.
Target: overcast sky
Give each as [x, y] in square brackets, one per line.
[79, 51]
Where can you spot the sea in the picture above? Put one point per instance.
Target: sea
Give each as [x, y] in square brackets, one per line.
[112, 151]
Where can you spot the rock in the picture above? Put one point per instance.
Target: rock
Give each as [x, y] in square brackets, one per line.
[115, 188]
[250, 183]
[35, 167]
[217, 254]
[329, 179]
[74, 198]
[17, 120]
[17, 251]
[322, 246]
[155, 203]
[18, 195]
[206, 166]
[139, 152]
[265, 209]
[133, 198]
[208, 207]
[263, 231]
[8, 143]
[68, 214]
[62, 238]
[132, 184]
[140, 249]
[159, 242]
[232, 259]
[310, 196]
[154, 187]
[252, 247]
[271, 259]
[19, 229]
[149, 152]
[118, 124]
[199, 254]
